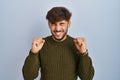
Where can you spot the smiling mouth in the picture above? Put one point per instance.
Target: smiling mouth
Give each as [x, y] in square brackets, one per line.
[58, 33]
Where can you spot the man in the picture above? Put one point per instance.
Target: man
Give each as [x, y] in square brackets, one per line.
[59, 56]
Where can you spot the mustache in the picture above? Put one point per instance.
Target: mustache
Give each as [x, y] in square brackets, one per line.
[58, 30]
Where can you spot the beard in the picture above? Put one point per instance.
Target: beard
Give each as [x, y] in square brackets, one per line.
[62, 37]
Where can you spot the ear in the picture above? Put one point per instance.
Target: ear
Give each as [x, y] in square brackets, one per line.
[69, 23]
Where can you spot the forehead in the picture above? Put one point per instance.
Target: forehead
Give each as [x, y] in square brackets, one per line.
[62, 21]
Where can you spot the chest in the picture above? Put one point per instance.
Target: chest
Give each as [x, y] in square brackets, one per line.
[61, 56]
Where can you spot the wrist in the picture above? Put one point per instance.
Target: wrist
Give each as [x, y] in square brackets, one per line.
[84, 53]
[34, 51]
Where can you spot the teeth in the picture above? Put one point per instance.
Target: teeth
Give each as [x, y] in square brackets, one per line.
[58, 33]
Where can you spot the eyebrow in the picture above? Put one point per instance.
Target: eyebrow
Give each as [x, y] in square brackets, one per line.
[62, 22]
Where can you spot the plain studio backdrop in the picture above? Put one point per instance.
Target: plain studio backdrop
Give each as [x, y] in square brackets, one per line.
[96, 20]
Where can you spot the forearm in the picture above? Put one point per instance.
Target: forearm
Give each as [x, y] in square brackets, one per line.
[85, 68]
[31, 66]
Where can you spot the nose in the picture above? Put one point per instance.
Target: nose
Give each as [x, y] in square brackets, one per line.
[57, 27]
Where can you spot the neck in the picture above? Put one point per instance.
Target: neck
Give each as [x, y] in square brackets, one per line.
[59, 40]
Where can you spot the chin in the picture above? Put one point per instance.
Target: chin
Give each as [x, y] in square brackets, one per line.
[59, 38]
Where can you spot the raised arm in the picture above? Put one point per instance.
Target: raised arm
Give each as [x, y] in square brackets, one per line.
[32, 63]
[85, 68]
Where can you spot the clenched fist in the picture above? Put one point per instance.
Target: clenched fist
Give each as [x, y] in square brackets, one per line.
[80, 44]
[37, 44]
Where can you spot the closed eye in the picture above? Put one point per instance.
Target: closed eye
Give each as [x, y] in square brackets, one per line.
[62, 24]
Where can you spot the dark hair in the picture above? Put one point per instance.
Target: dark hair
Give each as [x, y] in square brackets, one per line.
[57, 14]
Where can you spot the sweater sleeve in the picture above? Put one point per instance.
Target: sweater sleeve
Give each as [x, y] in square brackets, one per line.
[85, 67]
[31, 66]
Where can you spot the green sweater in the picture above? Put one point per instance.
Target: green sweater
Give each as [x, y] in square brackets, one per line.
[58, 61]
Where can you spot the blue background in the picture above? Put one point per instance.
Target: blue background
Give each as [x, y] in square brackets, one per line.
[96, 20]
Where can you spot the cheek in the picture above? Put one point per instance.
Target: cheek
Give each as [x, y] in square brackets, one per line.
[66, 28]
[51, 28]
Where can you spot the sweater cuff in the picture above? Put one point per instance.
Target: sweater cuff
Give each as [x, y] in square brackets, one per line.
[85, 60]
[84, 57]
[31, 53]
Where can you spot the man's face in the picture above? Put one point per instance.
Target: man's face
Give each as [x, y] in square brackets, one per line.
[59, 29]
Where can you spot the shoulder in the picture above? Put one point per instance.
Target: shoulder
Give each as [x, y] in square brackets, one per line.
[48, 38]
[69, 38]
